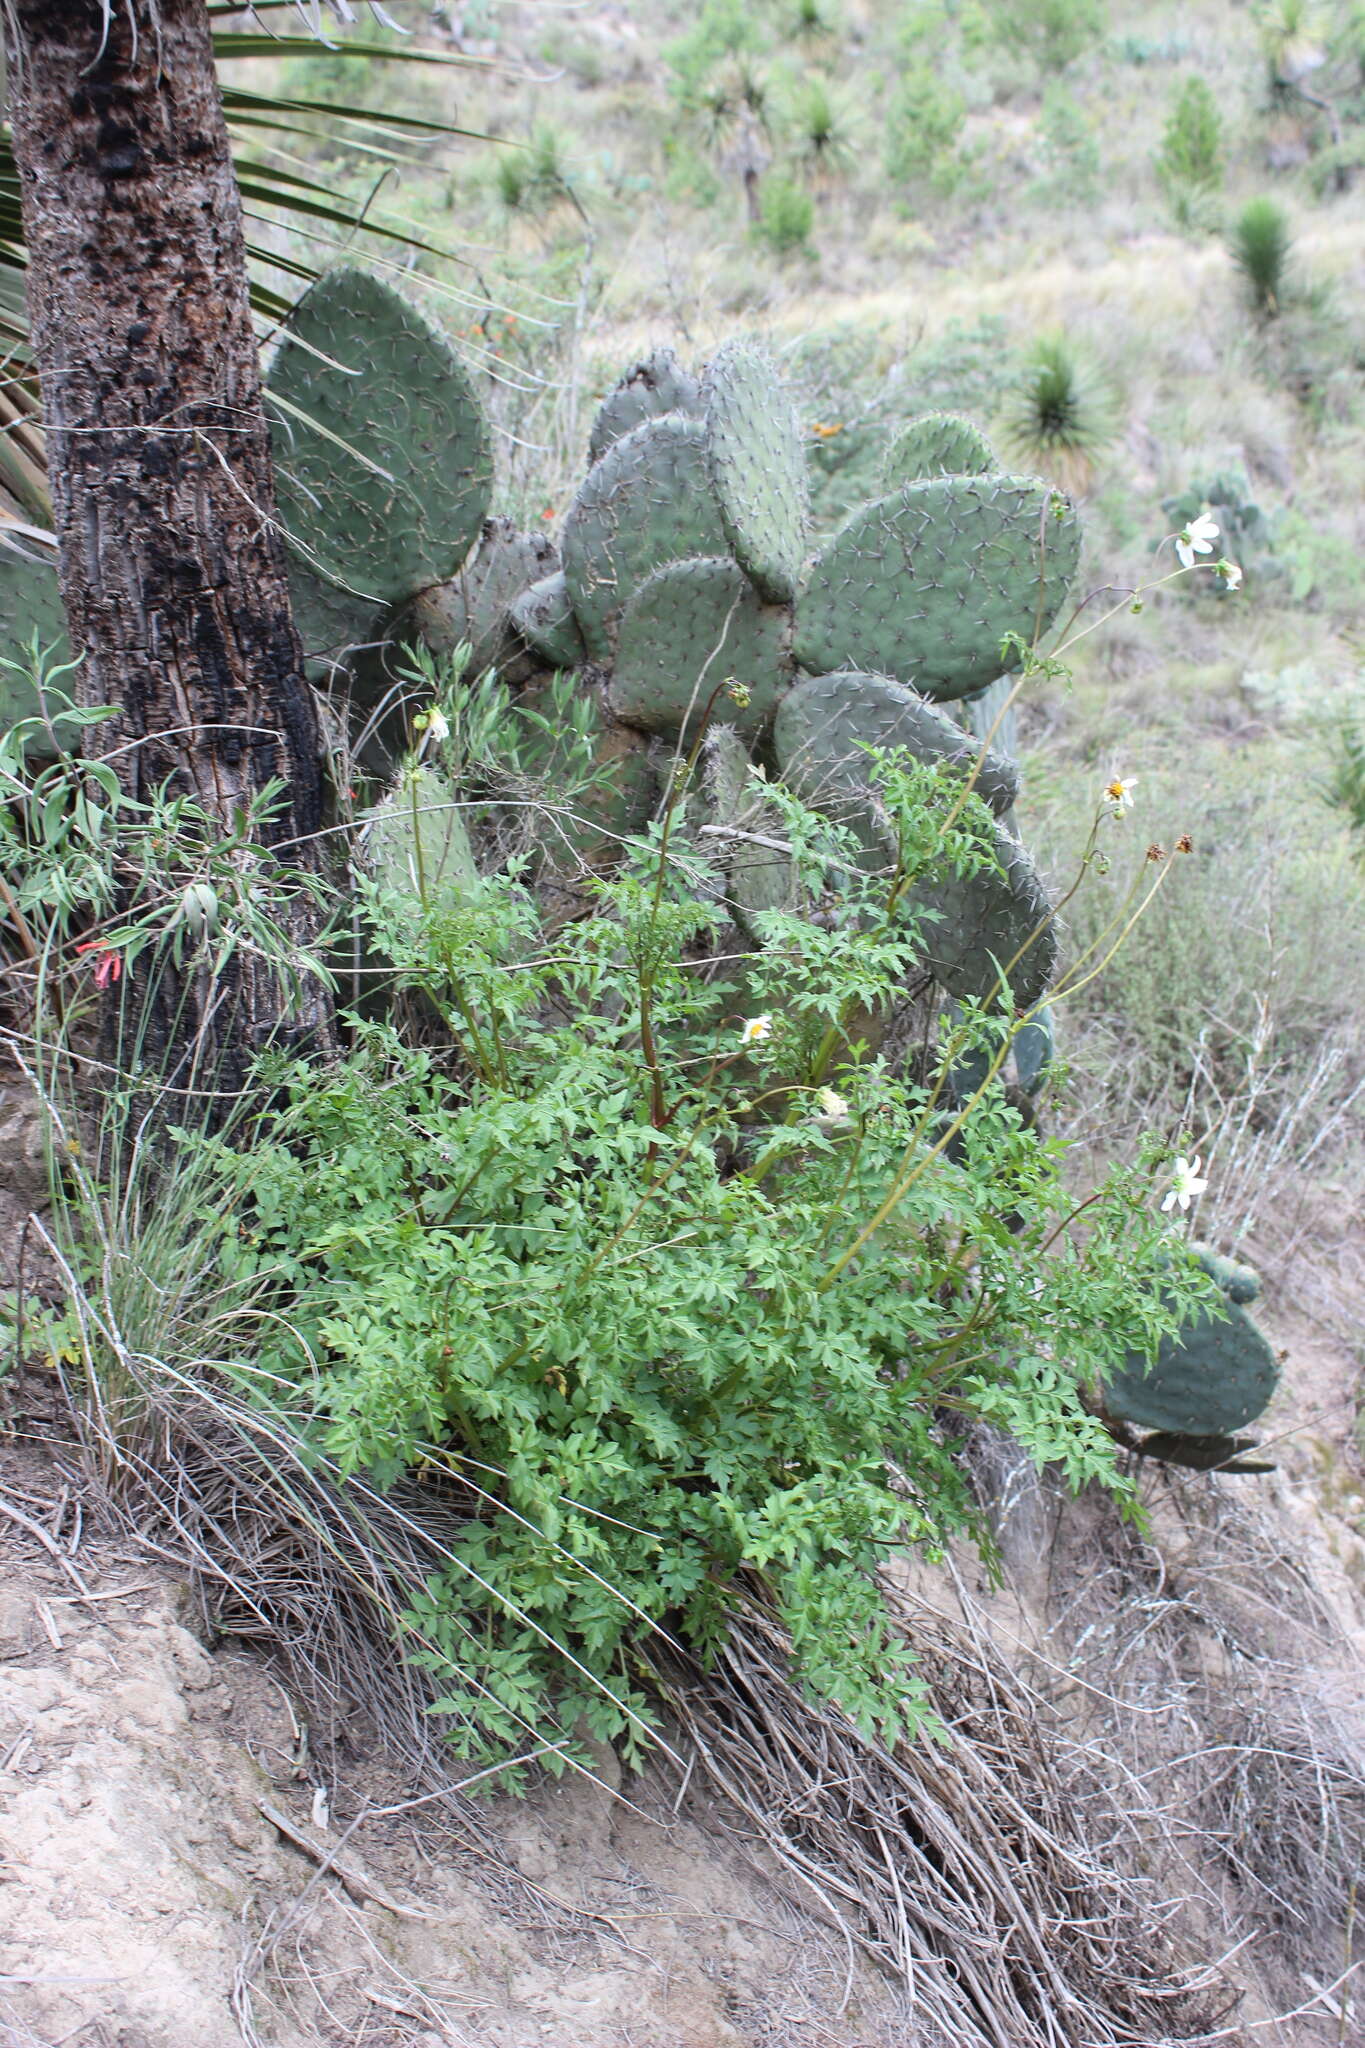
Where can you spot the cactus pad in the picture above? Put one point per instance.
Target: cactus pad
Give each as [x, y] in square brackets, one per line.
[544, 618]
[981, 711]
[940, 444]
[977, 923]
[758, 876]
[416, 844]
[474, 605]
[827, 722]
[382, 453]
[758, 467]
[1210, 1379]
[330, 617]
[648, 502]
[1034, 1049]
[657, 385]
[30, 602]
[924, 584]
[689, 627]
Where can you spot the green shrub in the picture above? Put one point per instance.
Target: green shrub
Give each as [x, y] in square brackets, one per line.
[924, 121]
[1260, 249]
[1070, 145]
[786, 216]
[532, 179]
[1189, 164]
[661, 1315]
[1054, 33]
[1344, 787]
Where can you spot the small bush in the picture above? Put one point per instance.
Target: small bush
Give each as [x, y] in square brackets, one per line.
[1344, 788]
[786, 216]
[1189, 164]
[924, 122]
[1053, 32]
[1260, 246]
[658, 1317]
[1059, 416]
[534, 178]
[1070, 146]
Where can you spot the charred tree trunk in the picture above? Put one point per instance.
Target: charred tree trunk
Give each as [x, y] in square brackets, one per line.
[172, 566]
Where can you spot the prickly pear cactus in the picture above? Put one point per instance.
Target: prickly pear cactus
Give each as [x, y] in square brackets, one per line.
[30, 602]
[474, 606]
[416, 845]
[827, 723]
[683, 594]
[543, 617]
[692, 629]
[926, 583]
[990, 928]
[940, 444]
[650, 388]
[382, 453]
[648, 502]
[1210, 1380]
[759, 873]
[758, 467]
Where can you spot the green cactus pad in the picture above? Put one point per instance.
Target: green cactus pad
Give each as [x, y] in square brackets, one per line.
[656, 385]
[979, 714]
[688, 628]
[544, 618]
[648, 502]
[924, 584]
[1211, 1379]
[759, 876]
[827, 722]
[977, 923]
[1034, 1049]
[330, 618]
[940, 444]
[474, 606]
[387, 475]
[1240, 1283]
[618, 802]
[30, 602]
[416, 845]
[758, 467]
[1221, 1454]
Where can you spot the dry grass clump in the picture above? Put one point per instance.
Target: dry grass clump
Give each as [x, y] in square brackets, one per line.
[1223, 1712]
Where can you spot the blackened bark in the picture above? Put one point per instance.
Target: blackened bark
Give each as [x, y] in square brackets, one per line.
[173, 571]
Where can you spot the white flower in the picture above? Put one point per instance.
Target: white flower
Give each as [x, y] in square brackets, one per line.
[1231, 575]
[1197, 539]
[1185, 1183]
[756, 1029]
[434, 724]
[1118, 793]
[832, 1108]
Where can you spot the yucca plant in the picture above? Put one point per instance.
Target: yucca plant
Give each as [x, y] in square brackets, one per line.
[1059, 416]
[821, 134]
[1260, 244]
